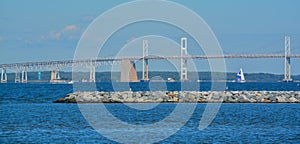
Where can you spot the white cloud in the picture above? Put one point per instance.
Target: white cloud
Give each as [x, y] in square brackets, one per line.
[69, 28]
[26, 40]
[87, 19]
[54, 35]
[70, 32]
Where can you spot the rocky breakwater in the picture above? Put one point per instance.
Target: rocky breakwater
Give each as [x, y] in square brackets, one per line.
[183, 97]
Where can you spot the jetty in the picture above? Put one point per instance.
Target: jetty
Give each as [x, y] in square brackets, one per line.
[183, 97]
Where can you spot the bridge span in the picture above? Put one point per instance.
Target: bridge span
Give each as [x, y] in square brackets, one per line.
[21, 69]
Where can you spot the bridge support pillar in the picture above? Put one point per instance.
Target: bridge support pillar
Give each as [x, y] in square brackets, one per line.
[24, 76]
[183, 62]
[17, 77]
[3, 76]
[92, 74]
[287, 60]
[145, 76]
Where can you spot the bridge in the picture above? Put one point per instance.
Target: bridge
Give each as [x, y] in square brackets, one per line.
[128, 71]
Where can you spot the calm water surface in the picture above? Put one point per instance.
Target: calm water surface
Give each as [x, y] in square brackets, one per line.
[28, 115]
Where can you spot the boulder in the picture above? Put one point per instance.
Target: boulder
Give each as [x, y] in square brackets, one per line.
[281, 99]
[243, 99]
[293, 100]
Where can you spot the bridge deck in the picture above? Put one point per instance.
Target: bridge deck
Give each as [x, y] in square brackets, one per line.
[112, 60]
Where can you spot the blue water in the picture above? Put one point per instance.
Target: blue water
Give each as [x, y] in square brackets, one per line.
[28, 115]
[47, 93]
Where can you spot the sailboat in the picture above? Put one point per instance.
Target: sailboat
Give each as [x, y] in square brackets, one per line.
[240, 76]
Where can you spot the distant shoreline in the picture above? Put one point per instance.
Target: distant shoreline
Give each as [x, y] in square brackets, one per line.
[193, 76]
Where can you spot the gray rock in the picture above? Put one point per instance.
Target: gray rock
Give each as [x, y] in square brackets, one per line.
[281, 99]
[293, 100]
[243, 99]
[272, 98]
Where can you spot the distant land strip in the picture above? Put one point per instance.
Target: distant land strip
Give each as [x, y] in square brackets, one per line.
[193, 76]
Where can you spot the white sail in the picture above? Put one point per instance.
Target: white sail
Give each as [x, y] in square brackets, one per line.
[240, 76]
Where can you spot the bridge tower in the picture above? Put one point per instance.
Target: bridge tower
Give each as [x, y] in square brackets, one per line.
[183, 64]
[287, 60]
[3, 76]
[145, 75]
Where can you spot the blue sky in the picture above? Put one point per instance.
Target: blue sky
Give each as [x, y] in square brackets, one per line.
[35, 30]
